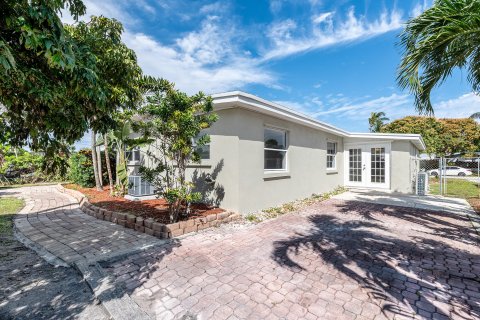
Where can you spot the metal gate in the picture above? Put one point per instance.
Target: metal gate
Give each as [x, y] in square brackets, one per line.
[450, 176]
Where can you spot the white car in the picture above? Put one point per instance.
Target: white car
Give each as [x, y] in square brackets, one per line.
[451, 171]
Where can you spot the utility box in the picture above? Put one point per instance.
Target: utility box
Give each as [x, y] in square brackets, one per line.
[422, 184]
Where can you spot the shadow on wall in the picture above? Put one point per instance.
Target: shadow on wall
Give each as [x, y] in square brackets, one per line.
[417, 275]
[205, 183]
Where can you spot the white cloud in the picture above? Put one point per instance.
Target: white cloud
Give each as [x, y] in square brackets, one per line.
[461, 107]
[191, 67]
[213, 7]
[212, 57]
[419, 8]
[353, 28]
[322, 17]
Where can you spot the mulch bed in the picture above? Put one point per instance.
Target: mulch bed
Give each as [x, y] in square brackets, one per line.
[156, 209]
[475, 203]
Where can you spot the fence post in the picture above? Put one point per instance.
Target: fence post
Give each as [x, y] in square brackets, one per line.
[440, 163]
[445, 176]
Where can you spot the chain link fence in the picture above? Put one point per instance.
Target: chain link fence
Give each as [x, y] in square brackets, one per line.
[454, 176]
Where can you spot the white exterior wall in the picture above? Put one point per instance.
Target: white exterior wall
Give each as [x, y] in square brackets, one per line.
[236, 163]
[403, 169]
[238, 139]
[306, 163]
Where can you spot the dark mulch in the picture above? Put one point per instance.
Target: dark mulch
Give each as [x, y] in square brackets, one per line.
[156, 209]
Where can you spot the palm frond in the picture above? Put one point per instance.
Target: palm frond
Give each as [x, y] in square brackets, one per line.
[438, 41]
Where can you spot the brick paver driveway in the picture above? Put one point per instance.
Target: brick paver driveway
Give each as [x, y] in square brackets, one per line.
[334, 260]
[53, 222]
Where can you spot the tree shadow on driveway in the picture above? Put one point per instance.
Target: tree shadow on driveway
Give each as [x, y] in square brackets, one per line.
[407, 272]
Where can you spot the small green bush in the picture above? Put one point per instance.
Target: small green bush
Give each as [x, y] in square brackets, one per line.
[81, 169]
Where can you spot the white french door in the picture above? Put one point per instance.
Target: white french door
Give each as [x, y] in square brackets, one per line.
[367, 165]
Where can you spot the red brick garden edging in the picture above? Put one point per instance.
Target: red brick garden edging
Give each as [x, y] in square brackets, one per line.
[149, 226]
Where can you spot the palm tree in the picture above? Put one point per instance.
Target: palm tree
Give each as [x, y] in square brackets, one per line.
[377, 121]
[98, 183]
[442, 38]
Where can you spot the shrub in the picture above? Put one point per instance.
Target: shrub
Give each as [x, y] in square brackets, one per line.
[23, 161]
[81, 168]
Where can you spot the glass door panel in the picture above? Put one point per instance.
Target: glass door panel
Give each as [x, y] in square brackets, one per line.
[355, 165]
[377, 165]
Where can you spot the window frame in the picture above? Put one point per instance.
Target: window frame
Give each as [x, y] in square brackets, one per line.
[194, 144]
[329, 155]
[285, 151]
[132, 152]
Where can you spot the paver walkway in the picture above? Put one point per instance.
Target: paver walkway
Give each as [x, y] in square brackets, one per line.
[333, 260]
[339, 259]
[53, 222]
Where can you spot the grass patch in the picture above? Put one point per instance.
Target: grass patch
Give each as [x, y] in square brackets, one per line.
[8, 208]
[458, 188]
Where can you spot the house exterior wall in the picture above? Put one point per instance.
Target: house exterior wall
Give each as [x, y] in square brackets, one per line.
[236, 163]
[223, 165]
[306, 163]
[403, 170]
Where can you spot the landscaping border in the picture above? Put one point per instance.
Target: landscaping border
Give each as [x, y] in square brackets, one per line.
[149, 226]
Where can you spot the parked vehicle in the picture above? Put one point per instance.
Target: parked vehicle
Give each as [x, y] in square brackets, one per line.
[452, 171]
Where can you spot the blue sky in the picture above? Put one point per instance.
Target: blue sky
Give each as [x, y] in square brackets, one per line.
[333, 60]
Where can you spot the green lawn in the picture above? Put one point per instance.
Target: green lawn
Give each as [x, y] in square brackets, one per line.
[456, 188]
[8, 207]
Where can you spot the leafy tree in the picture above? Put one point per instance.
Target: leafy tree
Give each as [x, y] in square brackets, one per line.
[44, 75]
[442, 38]
[81, 168]
[441, 136]
[56, 81]
[103, 37]
[377, 121]
[174, 119]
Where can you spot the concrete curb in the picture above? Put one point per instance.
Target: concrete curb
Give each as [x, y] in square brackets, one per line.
[44, 254]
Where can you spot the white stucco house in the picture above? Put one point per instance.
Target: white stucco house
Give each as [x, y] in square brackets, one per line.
[263, 154]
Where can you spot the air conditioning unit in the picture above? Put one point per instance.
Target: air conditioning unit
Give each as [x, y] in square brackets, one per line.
[422, 183]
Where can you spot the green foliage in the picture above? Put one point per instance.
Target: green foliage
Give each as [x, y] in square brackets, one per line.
[56, 80]
[20, 160]
[377, 121]
[442, 136]
[442, 38]
[81, 168]
[174, 120]
[121, 141]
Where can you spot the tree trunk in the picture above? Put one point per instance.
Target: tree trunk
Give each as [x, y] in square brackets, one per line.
[99, 164]
[107, 161]
[94, 162]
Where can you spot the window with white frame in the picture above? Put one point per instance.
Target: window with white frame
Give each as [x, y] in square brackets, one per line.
[275, 145]
[133, 155]
[331, 155]
[203, 151]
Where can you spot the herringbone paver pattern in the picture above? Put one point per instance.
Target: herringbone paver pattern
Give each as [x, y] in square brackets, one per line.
[53, 221]
[333, 260]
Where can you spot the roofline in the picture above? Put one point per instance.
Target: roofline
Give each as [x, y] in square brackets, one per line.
[254, 103]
